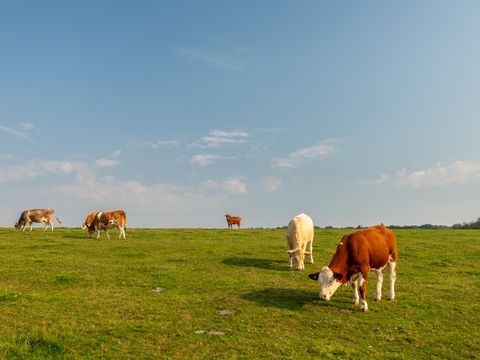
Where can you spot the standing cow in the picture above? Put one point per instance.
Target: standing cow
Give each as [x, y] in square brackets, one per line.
[299, 238]
[30, 216]
[359, 252]
[233, 220]
[104, 220]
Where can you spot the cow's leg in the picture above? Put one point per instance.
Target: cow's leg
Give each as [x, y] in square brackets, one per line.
[98, 233]
[378, 291]
[355, 298]
[392, 273]
[310, 244]
[31, 226]
[362, 285]
[290, 260]
[106, 232]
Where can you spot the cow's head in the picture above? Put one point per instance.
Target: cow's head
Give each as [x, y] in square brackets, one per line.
[298, 256]
[19, 224]
[329, 282]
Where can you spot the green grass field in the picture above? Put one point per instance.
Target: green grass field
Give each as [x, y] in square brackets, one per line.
[63, 295]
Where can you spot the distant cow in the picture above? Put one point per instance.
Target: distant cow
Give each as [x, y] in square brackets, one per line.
[104, 220]
[233, 220]
[359, 252]
[299, 238]
[30, 216]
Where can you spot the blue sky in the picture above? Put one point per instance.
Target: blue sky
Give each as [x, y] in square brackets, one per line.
[182, 111]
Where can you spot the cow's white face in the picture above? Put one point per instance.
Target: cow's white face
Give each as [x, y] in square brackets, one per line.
[328, 282]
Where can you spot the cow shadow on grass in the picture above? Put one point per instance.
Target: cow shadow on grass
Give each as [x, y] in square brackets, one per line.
[282, 298]
[268, 264]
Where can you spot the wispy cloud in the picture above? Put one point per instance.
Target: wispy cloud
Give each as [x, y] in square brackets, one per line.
[318, 151]
[234, 185]
[205, 159]
[35, 169]
[457, 173]
[103, 163]
[27, 126]
[217, 53]
[217, 138]
[158, 144]
[17, 133]
[272, 184]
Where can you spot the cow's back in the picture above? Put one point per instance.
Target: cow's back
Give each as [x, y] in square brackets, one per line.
[372, 246]
[299, 230]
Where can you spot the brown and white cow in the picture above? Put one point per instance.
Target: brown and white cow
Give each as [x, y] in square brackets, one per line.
[30, 216]
[104, 220]
[299, 237]
[233, 220]
[359, 252]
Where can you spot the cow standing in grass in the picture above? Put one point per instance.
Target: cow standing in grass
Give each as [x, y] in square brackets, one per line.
[233, 220]
[104, 220]
[299, 238]
[30, 216]
[359, 252]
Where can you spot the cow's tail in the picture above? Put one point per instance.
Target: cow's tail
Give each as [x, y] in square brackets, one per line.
[58, 220]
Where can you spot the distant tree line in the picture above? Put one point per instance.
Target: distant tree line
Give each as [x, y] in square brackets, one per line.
[470, 225]
[466, 225]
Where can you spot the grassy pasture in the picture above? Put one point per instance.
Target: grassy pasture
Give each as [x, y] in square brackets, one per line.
[63, 295]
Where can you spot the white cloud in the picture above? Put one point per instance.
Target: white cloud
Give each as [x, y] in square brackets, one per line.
[294, 159]
[217, 138]
[27, 126]
[117, 153]
[158, 144]
[271, 184]
[219, 59]
[205, 159]
[16, 133]
[103, 163]
[459, 172]
[235, 186]
[39, 168]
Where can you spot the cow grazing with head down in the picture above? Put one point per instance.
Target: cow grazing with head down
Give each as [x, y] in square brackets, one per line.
[104, 220]
[299, 238]
[233, 220]
[359, 252]
[30, 216]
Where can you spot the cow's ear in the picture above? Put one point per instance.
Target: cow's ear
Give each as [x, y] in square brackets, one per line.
[337, 276]
[314, 276]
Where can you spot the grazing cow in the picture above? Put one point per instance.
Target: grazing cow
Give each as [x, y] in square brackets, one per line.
[359, 252]
[233, 220]
[104, 220]
[29, 216]
[299, 237]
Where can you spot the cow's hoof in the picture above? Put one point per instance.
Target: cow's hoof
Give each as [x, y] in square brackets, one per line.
[354, 302]
[365, 310]
[377, 299]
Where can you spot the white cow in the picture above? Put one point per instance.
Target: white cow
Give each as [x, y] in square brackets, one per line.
[299, 237]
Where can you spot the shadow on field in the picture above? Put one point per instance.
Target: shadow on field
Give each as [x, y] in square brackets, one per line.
[258, 263]
[282, 298]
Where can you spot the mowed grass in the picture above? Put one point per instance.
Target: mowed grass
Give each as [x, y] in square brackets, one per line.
[63, 295]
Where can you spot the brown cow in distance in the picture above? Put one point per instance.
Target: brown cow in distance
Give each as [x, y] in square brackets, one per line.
[104, 220]
[357, 253]
[233, 220]
[29, 216]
